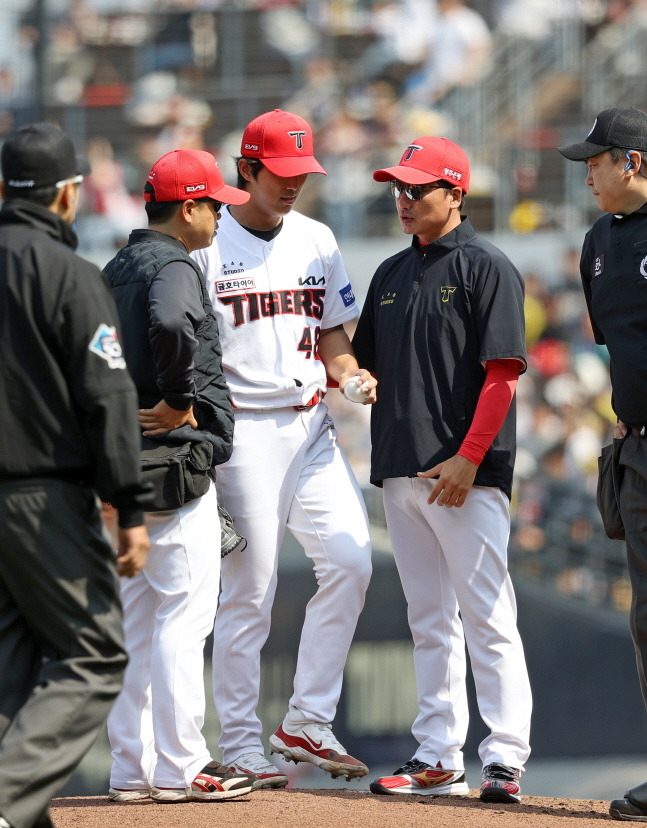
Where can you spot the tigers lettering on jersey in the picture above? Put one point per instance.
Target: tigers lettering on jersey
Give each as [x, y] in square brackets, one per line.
[248, 307]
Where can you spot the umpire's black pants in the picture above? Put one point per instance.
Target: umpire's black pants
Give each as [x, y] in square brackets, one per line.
[633, 508]
[61, 649]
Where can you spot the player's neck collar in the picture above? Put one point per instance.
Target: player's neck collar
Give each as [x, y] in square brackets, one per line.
[265, 235]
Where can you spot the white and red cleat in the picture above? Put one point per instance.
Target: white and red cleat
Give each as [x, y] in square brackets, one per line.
[500, 784]
[214, 782]
[315, 742]
[416, 777]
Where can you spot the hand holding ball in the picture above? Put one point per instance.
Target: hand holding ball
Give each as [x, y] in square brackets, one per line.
[354, 392]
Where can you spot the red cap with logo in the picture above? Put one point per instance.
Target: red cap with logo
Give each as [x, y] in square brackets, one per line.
[283, 142]
[183, 174]
[430, 159]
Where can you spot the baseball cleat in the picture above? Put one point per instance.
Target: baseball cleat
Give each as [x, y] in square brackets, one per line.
[416, 777]
[500, 784]
[128, 794]
[213, 783]
[633, 805]
[625, 809]
[315, 742]
[267, 775]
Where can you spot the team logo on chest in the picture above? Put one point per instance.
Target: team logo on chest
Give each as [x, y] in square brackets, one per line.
[446, 293]
[387, 298]
[643, 268]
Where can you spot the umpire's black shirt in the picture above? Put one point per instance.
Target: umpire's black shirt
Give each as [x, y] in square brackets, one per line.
[429, 322]
[68, 408]
[614, 276]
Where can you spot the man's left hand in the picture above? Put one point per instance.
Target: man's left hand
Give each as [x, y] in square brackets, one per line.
[163, 418]
[455, 479]
[367, 382]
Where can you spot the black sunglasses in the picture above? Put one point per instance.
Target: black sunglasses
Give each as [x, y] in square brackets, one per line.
[415, 192]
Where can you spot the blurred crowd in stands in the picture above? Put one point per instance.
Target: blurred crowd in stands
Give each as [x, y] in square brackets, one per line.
[139, 77]
[133, 79]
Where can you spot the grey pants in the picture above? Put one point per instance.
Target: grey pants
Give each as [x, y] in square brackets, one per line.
[633, 507]
[61, 648]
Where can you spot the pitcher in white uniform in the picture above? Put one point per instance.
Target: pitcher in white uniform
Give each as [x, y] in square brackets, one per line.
[281, 296]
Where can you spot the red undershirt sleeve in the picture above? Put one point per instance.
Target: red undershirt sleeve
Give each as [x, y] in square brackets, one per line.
[501, 377]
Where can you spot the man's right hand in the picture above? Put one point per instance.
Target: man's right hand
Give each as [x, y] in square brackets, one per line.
[132, 550]
[163, 418]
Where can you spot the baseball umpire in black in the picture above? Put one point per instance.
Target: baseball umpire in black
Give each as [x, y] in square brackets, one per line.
[613, 268]
[69, 431]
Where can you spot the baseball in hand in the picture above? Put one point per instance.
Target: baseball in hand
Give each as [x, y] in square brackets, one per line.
[353, 391]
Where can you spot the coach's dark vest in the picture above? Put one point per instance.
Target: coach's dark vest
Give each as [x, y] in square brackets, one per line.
[136, 265]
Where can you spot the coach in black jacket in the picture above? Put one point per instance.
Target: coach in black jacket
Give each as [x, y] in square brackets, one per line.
[69, 430]
[173, 353]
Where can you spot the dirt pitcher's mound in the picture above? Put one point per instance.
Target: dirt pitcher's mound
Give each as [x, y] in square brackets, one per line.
[298, 808]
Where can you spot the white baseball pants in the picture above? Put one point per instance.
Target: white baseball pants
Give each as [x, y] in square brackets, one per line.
[454, 560]
[169, 607]
[287, 470]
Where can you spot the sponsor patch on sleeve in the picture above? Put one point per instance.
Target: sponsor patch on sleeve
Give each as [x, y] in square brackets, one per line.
[105, 343]
[598, 265]
[347, 295]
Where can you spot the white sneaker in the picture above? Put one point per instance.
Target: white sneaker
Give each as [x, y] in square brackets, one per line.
[125, 795]
[269, 776]
[214, 782]
[316, 743]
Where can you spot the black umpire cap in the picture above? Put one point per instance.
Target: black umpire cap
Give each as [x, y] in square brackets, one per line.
[624, 127]
[37, 156]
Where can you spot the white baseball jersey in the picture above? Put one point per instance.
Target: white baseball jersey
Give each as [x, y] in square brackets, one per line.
[272, 309]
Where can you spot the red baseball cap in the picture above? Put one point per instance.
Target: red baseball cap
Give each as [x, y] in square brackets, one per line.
[430, 159]
[283, 142]
[184, 173]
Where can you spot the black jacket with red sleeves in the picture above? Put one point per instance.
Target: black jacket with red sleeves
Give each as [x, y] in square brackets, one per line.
[430, 320]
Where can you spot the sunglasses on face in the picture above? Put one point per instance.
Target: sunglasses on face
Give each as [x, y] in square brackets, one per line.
[217, 206]
[415, 192]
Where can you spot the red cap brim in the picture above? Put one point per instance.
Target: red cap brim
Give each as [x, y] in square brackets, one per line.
[407, 175]
[230, 195]
[293, 165]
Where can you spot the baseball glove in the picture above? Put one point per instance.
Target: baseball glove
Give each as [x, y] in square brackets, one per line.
[230, 537]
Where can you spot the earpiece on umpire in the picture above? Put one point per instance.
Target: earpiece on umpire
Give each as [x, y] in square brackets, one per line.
[630, 165]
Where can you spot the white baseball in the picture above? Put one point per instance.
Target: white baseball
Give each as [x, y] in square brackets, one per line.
[353, 391]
